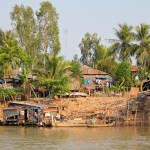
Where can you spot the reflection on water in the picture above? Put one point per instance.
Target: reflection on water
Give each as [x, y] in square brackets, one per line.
[105, 138]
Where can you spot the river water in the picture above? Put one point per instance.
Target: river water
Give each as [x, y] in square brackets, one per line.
[81, 138]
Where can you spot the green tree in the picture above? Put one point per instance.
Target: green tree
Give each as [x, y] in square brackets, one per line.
[1, 37]
[105, 62]
[35, 37]
[10, 55]
[122, 46]
[24, 25]
[48, 29]
[90, 47]
[75, 68]
[123, 73]
[142, 49]
[55, 74]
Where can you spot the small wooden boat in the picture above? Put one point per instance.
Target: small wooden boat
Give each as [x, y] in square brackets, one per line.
[70, 123]
[100, 125]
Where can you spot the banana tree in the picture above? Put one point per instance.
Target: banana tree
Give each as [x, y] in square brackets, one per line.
[119, 87]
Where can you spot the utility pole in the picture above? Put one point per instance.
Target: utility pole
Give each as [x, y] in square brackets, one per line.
[66, 41]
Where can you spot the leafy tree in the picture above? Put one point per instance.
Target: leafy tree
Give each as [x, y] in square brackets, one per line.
[11, 58]
[122, 73]
[48, 28]
[25, 65]
[90, 47]
[122, 46]
[35, 37]
[75, 68]
[24, 25]
[8, 94]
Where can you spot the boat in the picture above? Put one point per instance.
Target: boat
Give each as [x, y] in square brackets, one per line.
[100, 125]
[70, 123]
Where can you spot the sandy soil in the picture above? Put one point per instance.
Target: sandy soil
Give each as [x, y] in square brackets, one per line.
[79, 107]
[84, 106]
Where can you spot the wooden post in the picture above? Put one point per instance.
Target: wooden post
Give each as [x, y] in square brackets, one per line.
[135, 119]
[127, 112]
[143, 118]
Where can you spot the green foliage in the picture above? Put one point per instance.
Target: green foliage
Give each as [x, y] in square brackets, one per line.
[54, 76]
[119, 86]
[48, 28]
[142, 49]
[56, 86]
[10, 92]
[96, 55]
[134, 82]
[34, 46]
[90, 48]
[123, 73]
[105, 62]
[143, 73]
[76, 69]
[1, 37]
[107, 90]
[36, 37]
[24, 25]
[121, 48]
[10, 54]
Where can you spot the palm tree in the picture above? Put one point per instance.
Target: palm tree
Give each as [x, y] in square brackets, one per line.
[10, 54]
[54, 75]
[1, 37]
[105, 62]
[10, 59]
[142, 49]
[122, 46]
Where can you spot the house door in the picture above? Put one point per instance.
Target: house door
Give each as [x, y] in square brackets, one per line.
[26, 115]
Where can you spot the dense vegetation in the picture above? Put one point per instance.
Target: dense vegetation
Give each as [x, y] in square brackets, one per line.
[33, 46]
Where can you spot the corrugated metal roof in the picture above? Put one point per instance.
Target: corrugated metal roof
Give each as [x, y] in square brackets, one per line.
[91, 71]
[29, 104]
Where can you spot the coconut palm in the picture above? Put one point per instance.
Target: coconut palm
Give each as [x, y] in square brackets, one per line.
[10, 54]
[142, 50]
[122, 46]
[54, 75]
[105, 62]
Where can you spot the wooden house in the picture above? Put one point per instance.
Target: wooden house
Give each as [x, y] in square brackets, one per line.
[95, 79]
[29, 114]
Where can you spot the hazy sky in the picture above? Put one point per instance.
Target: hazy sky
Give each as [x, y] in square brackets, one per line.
[77, 17]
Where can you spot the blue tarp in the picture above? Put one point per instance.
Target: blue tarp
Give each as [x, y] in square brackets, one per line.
[86, 81]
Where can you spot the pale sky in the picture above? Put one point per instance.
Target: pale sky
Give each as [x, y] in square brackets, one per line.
[77, 17]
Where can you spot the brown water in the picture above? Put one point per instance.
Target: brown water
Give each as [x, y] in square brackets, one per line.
[103, 138]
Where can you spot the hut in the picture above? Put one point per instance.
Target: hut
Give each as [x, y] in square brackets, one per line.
[21, 113]
[95, 79]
